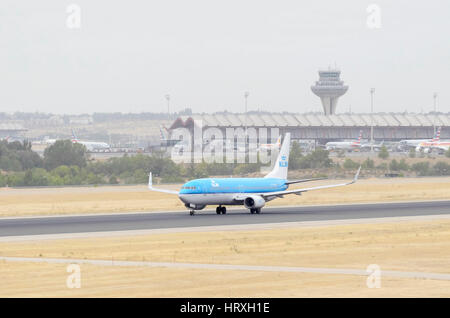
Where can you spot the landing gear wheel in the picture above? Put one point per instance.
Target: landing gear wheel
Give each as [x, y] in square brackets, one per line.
[218, 210]
[192, 212]
[252, 211]
[258, 210]
[224, 210]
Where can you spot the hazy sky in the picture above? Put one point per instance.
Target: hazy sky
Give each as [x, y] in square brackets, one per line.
[128, 54]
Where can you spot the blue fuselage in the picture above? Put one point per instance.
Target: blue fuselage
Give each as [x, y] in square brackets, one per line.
[233, 185]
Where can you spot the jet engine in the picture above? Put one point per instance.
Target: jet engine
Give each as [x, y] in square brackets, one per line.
[254, 202]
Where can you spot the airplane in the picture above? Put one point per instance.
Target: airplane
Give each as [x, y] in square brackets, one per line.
[227, 145]
[435, 144]
[273, 146]
[48, 141]
[427, 147]
[367, 146]
[345, 145]
[162, 134]
[91, 145]
[253, 193]
[414, 143]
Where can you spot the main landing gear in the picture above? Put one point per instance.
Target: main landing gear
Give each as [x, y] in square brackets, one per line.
[221, 210]
[192, 212]
[257, 211]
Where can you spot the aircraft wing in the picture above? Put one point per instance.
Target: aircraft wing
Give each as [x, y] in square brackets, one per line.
[299, 191]
[150, 186]
[303, 180]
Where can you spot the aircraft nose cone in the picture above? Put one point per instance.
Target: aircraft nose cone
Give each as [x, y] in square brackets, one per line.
[183, 198]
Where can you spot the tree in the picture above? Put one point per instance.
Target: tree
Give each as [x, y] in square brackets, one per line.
[295, 156]
[319, 158]
[64, 152]
[17, 156]
[398, 166]
[441, 169]
[113, 180]
[349, 164]
[403, 165]
[421, 168]
[29, 159]
[368, 164]
[383, 154]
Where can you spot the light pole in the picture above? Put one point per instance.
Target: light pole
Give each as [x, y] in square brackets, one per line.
[435, 114]
[168, 105]
[372, 91]
[245, 117]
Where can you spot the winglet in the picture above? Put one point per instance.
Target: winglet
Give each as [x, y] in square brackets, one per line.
[356, 175]
[150, 186]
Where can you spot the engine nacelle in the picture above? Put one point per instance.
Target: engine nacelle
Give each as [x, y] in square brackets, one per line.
[195, 206]
[254, 202]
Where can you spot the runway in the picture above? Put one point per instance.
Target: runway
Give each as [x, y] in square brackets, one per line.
[166, 220]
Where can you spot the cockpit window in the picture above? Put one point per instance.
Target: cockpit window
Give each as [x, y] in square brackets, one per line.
[189, 188]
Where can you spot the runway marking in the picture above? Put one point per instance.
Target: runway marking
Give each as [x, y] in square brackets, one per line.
[311, 270]
[233, 227]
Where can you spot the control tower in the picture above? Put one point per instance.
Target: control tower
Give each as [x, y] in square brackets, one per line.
[329, 88]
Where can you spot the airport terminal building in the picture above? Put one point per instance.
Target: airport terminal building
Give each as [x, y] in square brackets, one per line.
[322, 128]
[11, 129]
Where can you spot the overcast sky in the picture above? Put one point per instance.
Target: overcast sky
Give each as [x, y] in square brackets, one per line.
[127, 55]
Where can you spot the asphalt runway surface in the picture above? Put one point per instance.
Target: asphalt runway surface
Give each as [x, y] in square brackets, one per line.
[167, 220]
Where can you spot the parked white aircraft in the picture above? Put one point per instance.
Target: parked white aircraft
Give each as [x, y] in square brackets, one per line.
[91, 145]
[435, 144]
[345, 145]
[274, 146]
[48, 141]
[427, 147]
[368, 146]
[414, 143]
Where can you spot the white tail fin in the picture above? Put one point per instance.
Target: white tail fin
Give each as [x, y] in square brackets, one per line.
[161, 133]
[74, 137]
[280, 169]
[358, 141]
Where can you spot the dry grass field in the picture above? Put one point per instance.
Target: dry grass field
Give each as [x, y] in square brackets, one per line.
[406, 246]
[111, 199]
